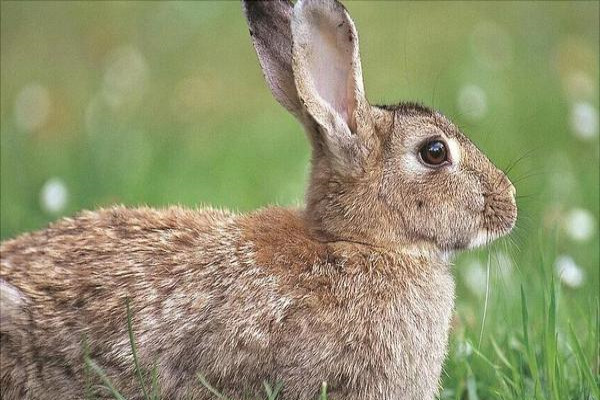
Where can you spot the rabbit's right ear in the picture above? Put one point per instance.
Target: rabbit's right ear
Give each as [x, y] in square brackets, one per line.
[328, 75]
[269, 22]
[310, 58]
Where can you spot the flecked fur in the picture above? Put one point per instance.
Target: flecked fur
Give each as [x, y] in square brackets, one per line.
[354, 289]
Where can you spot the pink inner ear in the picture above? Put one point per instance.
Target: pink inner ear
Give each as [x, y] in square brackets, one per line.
[330, 66]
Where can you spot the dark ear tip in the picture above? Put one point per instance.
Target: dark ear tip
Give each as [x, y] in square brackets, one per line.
[246, 6]
[254, 10]
[250, 6]
[263, 12]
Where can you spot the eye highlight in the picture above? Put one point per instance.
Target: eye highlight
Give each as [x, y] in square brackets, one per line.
[434, 153]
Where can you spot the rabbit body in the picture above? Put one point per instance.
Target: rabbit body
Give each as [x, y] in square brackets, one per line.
[353, 290]
[238, 298]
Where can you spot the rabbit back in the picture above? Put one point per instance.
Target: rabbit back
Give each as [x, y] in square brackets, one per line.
[66, 288]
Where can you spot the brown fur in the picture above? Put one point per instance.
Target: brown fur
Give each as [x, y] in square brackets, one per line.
[354, 290]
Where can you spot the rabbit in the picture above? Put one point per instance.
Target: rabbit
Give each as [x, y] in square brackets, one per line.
[354, 289]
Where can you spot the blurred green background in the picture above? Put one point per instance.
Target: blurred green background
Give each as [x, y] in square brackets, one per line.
[164, 103]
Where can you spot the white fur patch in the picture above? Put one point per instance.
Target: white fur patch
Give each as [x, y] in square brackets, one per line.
[10, 296]
[482, 238]
[455, 153]
[411, 165]
[12, 301]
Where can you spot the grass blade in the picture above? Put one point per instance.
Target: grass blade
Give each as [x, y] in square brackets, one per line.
[487, 293]
[551, 341]
[102, 375]
[597, 341]
[323, 395]
[210, 388]
[530, 353]
[155, 387]
[134, 350]
[583, 365]
[272, 393]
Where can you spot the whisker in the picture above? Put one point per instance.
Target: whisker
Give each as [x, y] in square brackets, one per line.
[513, 163]
[525, 222]
[528, 176]
[513, 242]
[516, 180]
[485, 304]
[528, 196]
[523, 156]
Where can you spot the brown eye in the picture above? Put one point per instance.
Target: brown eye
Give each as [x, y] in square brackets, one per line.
[434, 152]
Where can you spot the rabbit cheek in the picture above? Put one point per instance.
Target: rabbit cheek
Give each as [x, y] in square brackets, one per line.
[446, 226]
[457, 208]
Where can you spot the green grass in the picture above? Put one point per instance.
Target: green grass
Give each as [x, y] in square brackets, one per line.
[535, 360]
[538, 362]
[199, 126]
[536, 344]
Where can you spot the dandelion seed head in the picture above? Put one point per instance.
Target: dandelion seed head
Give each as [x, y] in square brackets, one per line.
[579, 224]
[474, 277]
[472, 102]
[125, 76]
[569, 272]
[584, 120]
[54, 196]
[464, 349]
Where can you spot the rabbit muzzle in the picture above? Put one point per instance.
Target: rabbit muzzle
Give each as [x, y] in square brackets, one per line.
[499, 214]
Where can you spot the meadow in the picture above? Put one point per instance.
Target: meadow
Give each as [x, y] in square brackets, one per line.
[164, 103]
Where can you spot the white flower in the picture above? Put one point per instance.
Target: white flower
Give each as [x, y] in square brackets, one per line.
[54, 196]
[464, 349]
[568, 271]
[472, 102]
[125, 76]
[474, 276]
[580, 224]
[584, 120]
[32, 107]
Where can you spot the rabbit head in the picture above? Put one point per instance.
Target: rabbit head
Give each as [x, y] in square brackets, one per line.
[394, 176]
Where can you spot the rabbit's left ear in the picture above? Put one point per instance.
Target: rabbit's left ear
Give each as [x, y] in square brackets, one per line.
[328, 73]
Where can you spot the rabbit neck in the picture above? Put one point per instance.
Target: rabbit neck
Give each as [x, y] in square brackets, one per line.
[286, 235]
[349, 209]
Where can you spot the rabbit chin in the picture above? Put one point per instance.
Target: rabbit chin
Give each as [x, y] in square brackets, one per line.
[483, 237]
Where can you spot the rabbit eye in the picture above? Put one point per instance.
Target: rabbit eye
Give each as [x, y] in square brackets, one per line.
[434, 153]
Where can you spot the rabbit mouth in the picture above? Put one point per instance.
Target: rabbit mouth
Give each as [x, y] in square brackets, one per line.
[486, 235]
[498, 218]
[482, 238]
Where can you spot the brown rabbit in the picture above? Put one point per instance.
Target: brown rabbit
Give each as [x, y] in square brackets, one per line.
[354, 290]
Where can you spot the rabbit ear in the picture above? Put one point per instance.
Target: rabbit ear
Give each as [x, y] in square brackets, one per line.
[328, 74]
[269, 22]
